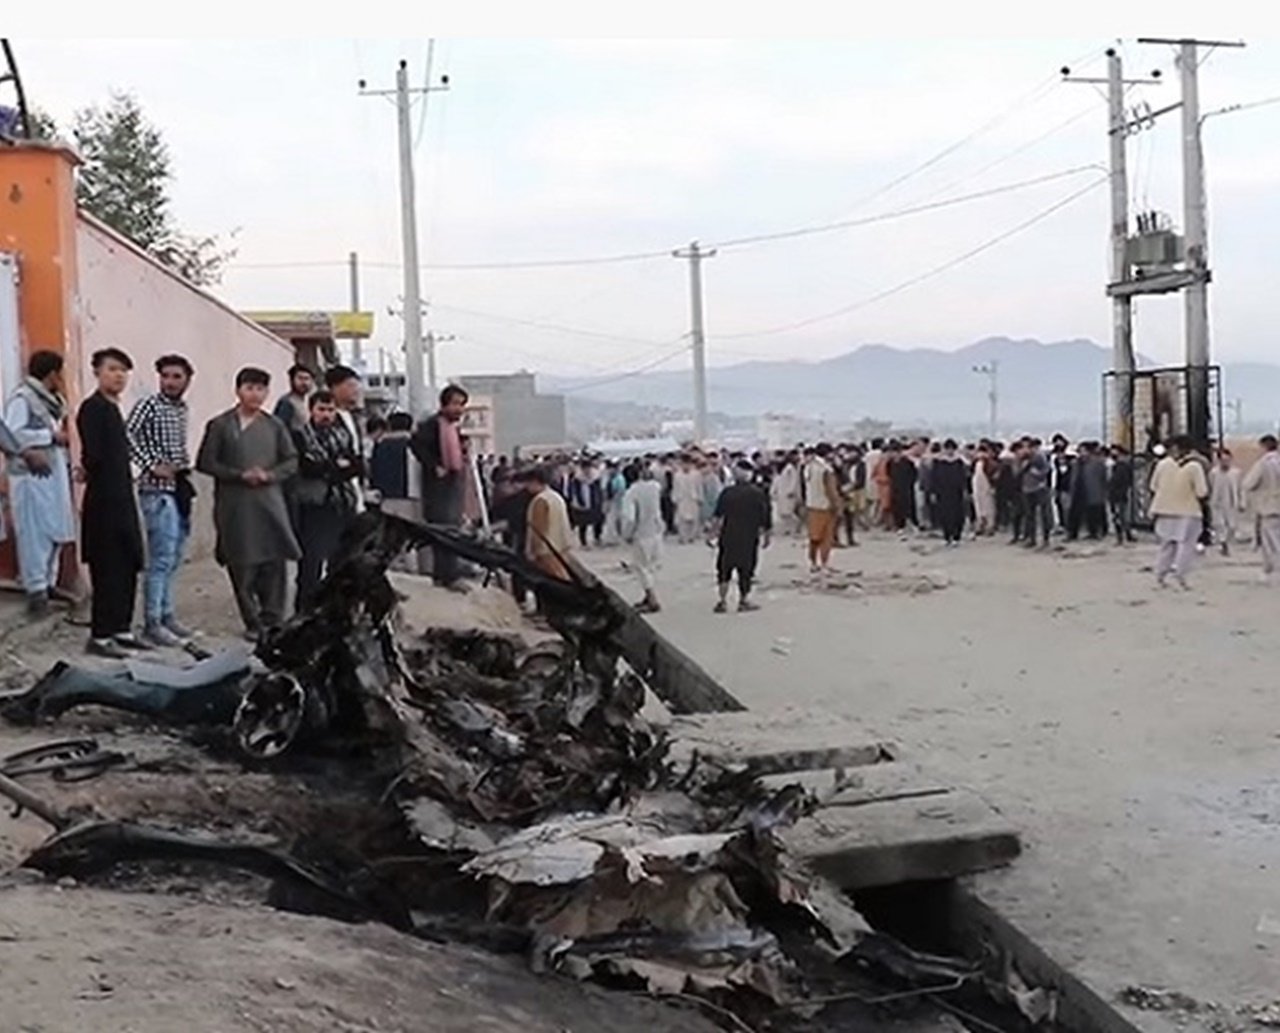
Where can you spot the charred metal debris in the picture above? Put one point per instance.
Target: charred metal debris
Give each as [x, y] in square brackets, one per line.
[535, 807]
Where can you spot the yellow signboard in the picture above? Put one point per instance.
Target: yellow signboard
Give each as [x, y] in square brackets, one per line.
[352, 324]
[319, 324]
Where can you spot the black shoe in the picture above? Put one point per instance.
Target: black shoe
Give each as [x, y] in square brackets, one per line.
[131, 641]
[37, 605]
[720, 607]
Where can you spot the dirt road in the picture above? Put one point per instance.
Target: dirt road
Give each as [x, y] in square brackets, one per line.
[1133, 735]
[77, 959]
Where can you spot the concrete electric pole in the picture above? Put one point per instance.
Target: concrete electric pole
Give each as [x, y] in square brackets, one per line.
[414, 380]
[1122, 354]
[991, 370]
[695, 255]
[357, 349]
[1195, 229]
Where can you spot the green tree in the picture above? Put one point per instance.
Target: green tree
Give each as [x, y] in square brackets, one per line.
[124, 181]
[125, 173]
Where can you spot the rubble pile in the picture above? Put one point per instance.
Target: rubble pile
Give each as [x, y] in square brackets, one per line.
[538, 809]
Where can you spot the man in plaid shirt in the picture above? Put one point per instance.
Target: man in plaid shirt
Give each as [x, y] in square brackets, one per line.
[157, 429]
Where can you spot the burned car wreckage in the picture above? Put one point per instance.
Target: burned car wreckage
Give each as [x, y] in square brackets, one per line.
[533, 807]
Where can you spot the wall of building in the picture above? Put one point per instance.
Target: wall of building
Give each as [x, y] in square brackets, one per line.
[128, 300]
[537, 420]
[519, 415]
[479, 426]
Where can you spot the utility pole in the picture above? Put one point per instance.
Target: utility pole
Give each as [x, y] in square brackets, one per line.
[1122, 355]
[1196, 235]
[1122, 360]
[433, 339]
[357, 356]
[413, 341]
[695, 255]
[991, 370]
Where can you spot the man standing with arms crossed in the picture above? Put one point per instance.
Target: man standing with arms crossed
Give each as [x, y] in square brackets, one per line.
[158, 427]
[344, 384]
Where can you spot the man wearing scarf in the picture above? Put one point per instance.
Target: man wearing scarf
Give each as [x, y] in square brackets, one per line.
[437, 445]
[326, 489]
[40, 477]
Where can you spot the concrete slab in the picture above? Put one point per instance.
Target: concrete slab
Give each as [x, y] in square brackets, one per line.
[786, 740]
[905, 839]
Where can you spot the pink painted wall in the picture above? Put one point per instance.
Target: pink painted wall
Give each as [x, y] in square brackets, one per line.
[129, 301]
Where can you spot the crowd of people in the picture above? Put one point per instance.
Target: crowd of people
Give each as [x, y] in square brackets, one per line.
[287, 481]
[284, 486]
[831, 494]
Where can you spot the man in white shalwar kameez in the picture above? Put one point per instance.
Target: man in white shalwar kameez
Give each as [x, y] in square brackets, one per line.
[642, 527]
[1226, 500]
[784, 493]
[688, 496]
[40, 477]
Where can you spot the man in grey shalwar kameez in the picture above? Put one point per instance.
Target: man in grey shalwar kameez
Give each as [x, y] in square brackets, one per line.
[249, 454]
[40, 477]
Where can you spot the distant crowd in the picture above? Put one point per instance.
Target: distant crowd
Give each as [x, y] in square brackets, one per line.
[833, 493]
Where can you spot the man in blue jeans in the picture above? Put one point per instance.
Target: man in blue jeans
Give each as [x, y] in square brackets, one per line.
[158, 438]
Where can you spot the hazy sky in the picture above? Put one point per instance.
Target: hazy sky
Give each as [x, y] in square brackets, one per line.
[547, 149]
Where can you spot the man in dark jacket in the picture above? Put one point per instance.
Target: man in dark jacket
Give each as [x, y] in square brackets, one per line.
[326, 490]
[437, 445]
[1089, 489]
[1037, 504]
[742, 523]
[1120, 494]
[389, 464]
[110, 537]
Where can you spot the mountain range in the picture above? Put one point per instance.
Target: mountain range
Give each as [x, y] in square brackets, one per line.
[1039, 385]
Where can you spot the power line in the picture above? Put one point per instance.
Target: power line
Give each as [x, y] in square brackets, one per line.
[935, 271]
[736, 242]
[532, 264]
[637, 371]
[904, 212]
[1021, 149]
[557, 327]
[1045, 86]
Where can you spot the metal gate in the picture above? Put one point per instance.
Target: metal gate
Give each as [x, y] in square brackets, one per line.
[1157, 406]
